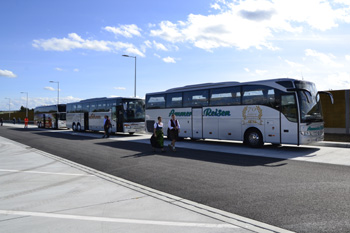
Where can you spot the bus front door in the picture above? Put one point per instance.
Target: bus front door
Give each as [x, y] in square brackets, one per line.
[197, 123]
[289, 120]
[86, 120]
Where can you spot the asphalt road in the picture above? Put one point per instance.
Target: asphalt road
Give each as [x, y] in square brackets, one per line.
[294, 195]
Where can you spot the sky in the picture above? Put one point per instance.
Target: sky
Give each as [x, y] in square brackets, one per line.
[80, 44]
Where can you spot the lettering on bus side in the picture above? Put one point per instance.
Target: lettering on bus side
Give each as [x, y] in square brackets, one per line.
[93, 116]
[216, 112]
[179, 114]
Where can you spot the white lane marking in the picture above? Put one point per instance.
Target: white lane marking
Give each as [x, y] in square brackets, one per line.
[48, 173]
[117, 220]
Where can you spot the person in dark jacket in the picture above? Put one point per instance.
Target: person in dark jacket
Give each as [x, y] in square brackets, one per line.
[107, 124]
[174, 129]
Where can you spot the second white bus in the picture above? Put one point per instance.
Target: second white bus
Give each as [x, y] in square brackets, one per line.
[127, 115]
[278, 111]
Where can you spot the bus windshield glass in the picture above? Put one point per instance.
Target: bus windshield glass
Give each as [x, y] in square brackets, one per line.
[133, 110]
[310, 106]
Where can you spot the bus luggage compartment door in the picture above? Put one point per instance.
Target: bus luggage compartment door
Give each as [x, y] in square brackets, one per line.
[197, 123]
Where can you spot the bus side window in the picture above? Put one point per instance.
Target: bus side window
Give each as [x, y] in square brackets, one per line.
[196, 98]
[174, 100]
[225, 96]
[289, 107]
[156, 101]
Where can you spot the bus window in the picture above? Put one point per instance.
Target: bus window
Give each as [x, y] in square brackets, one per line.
[93, 107]
[101, 106]
[155, 101]
[79, 108]
[74, 108]
[196, 98]
[69, 108]
[289, 107]
[174, 100]
[258, 95]
[86, 107]
[133, 110]
[225, 96]
[109, 104]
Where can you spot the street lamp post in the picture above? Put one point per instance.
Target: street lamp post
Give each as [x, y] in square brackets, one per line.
[23, 92]
[135, 72]
[58, 99]
[9, 108]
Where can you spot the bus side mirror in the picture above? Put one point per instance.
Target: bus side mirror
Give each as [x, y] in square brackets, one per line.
[327, 93]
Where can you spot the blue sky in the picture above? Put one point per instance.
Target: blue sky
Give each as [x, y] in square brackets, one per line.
[80, 44]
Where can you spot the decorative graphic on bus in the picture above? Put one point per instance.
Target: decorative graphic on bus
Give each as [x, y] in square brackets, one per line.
[315, 128]
[217, 112]
[252, 115]
[179, 113]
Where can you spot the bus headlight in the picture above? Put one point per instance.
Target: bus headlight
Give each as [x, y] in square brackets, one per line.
[305, 133]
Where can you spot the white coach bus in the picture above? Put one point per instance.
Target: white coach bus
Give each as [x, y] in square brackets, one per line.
[50, 116]
[278, 111]
[127, 115]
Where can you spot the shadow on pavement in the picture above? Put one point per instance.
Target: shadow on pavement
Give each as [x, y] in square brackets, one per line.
[143, 150]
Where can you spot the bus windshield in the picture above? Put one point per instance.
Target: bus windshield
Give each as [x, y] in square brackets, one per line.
[310, 106]
[133, 110]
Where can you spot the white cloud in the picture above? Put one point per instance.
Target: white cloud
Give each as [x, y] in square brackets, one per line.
[76, 70]
[49, 88]
[148, 43]
[215, 6]
[7, 73]
[347, 57]
[74, 41]
[294, 64]
[119, 88]
[247, 70]
[156, 55]
[125, 30]
[159, 46]
[58, 69]
[252, 23]
[324, 58]
[261, 72]
[169, 60]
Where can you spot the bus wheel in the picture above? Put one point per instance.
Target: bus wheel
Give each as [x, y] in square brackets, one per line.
[78, 127]
[74, 127]
[254, 138]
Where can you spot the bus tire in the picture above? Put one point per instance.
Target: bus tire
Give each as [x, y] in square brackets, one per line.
[253, 138]
[74, 127]
[78, 127]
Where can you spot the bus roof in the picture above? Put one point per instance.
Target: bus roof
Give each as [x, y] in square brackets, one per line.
[270, 82]
[104, 98]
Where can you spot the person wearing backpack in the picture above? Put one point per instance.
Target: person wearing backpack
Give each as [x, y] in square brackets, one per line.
[107, 124]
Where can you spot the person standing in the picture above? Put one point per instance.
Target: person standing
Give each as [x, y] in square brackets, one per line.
[158, 134]
[14, 120]
[26, 122]
[174, 129]
[1, 121]
[107, 124]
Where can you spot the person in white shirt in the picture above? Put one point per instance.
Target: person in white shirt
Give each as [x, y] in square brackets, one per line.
[174, 129]
[158, 134]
